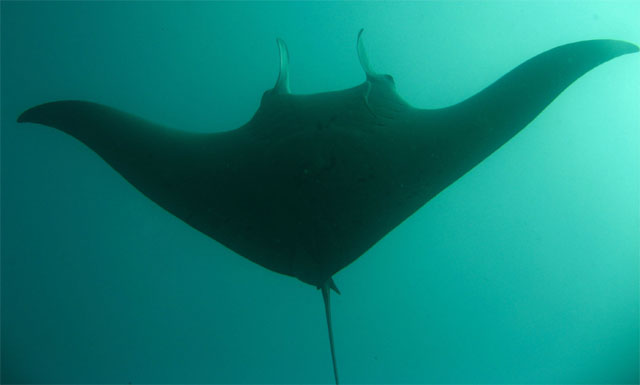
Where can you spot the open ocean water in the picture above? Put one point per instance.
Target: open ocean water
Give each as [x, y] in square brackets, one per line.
[526, 270]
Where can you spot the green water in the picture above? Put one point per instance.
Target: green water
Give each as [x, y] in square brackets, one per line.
[526, 270]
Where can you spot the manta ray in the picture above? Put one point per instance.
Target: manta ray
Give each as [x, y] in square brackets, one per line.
[311, 182]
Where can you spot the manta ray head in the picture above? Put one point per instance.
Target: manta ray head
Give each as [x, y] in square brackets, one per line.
[376, 98]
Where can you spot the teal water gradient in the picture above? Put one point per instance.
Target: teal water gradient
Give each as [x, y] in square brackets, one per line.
[524, 271]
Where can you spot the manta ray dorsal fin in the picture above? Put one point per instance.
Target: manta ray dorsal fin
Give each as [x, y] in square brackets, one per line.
[364, 59]
[282, 84]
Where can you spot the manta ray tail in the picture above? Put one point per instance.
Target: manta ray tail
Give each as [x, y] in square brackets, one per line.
[326, 291]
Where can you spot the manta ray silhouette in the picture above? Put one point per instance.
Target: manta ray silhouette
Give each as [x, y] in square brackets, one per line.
[311, 182]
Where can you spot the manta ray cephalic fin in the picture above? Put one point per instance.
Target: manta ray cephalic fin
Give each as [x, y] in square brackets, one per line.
[362, 56]
[364, 62]
[282, 84]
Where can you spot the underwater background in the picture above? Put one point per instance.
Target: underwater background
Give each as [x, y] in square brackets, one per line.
[526, 270]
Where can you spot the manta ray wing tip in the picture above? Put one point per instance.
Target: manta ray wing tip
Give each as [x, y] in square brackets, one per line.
[43, 112]
[27, 116]
[624, 47]
[619, 47]
[22, 118]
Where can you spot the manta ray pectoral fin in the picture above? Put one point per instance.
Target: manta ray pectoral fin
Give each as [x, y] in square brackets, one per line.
[150, 156]
[479, 125]
[103, 129]
[282, 84]
[497, 113]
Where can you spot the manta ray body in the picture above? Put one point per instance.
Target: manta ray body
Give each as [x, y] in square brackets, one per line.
[311, 182]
